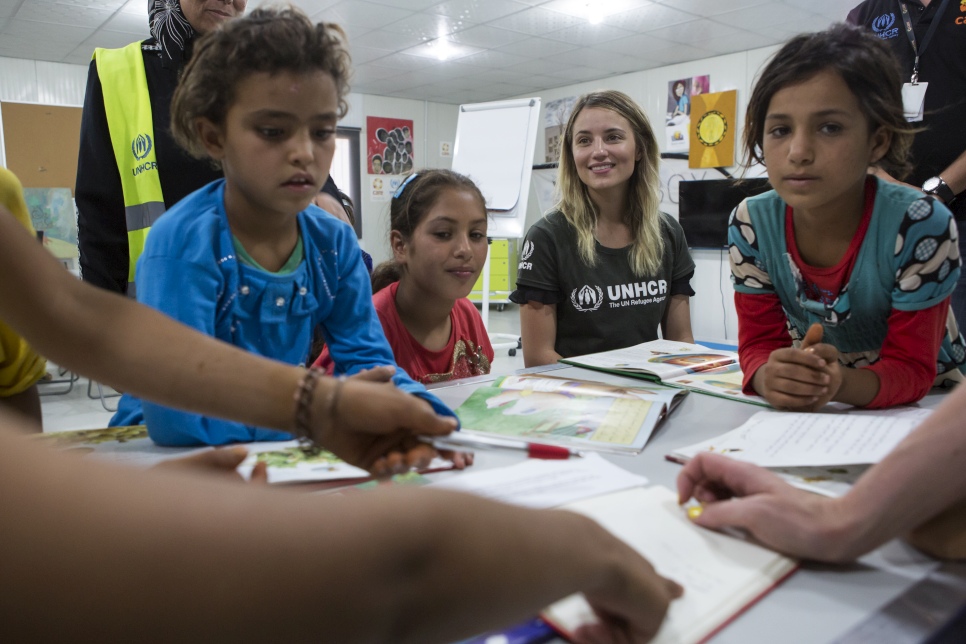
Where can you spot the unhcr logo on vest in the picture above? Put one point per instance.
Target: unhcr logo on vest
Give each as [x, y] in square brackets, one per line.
[141, 148]
[587, 298]
[883, 26]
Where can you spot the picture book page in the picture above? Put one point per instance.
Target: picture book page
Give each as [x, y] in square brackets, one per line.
[662, 358]
[721, 575]
[575, 413]
[289, 463]
[129, 445]
[791, 439]
[724, 381]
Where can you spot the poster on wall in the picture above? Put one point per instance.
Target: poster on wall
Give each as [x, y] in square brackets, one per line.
[554, 121]
[680, 94]
[390, 145]
[713, 131]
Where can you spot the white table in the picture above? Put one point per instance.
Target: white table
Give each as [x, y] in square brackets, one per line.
[818, 603]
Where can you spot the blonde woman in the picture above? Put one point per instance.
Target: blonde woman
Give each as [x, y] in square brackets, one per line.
[605, 268]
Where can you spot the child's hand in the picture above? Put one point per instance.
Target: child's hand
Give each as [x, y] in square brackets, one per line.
[461, 460]
[798, 379]
[374, 425]
[833, 369]
[222, 461]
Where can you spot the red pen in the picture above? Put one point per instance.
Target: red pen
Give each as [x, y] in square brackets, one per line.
[462, 441]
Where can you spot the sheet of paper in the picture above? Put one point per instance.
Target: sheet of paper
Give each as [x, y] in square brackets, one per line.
[720, 574]
[790, 439]
[545, 484]
[833, 481]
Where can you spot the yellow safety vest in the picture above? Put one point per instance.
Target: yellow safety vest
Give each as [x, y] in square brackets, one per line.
[128, 108]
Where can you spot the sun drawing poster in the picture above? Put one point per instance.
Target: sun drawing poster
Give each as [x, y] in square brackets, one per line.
[713, 130]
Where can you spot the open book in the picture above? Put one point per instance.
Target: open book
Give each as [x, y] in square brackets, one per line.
[722, 576]
[823, 453]
[675, 364]
[574, 413]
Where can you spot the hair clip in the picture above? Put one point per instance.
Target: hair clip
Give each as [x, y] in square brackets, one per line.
[402, 187]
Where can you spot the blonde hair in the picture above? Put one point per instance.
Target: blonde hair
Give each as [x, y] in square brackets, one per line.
[643, 217]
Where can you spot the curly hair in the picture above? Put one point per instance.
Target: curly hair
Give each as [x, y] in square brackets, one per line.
[643, 217]
[269, 40]
[415, 198]
[866, 65]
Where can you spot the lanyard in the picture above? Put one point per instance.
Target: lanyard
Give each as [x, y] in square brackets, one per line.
[907, 21]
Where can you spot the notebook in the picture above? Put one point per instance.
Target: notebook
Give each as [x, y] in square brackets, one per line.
[722, 576]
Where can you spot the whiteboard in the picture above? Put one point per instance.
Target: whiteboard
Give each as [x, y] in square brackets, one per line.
[494, 147]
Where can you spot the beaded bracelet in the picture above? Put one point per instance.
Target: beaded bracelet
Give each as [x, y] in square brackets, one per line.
[303, 407]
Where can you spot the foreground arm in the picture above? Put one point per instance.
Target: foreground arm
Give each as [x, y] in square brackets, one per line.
[172, 557]
[92, 331]
[923, 477]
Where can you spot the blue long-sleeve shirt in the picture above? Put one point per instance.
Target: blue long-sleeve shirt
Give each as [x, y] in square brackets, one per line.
[189, 271]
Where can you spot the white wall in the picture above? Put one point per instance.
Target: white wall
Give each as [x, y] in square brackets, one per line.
[29, 81]
[713, 314]
[432, 123]
[712, 309]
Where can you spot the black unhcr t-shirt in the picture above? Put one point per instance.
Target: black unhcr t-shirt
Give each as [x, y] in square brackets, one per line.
[605, 306]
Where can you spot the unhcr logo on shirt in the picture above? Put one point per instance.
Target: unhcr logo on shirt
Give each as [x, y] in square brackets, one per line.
[141, 147]
[883, 26]
[587, 298]
[525, 255]
[638, 293]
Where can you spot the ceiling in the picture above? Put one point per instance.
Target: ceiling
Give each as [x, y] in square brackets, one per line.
[493, 48]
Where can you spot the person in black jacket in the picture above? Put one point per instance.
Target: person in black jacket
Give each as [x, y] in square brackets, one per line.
[939, 148]
[102, 232]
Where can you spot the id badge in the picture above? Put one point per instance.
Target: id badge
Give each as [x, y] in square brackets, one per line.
[913, 100]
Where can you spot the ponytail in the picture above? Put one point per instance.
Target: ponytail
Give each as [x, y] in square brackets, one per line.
[385, 274]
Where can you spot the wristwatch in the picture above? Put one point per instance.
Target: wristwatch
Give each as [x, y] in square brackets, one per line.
[936, 187]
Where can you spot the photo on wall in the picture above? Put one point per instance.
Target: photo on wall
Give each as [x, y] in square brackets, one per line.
[389, 145]
[680, 95]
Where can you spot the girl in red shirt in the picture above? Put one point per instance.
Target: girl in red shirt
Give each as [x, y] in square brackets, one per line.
[439, 244]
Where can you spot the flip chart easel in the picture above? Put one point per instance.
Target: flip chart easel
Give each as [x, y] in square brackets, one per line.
[494, 147]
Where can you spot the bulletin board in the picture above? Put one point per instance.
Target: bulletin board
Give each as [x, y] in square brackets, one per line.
[41, 143]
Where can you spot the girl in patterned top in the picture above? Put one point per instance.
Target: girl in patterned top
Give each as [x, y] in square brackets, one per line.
[438, 240]
[842, 280]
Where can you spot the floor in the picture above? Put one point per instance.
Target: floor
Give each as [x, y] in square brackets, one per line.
[77, 409]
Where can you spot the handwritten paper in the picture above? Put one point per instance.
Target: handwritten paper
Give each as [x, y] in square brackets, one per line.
[789, 439]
